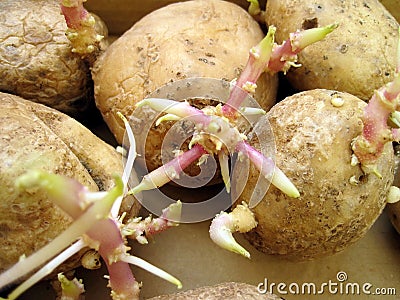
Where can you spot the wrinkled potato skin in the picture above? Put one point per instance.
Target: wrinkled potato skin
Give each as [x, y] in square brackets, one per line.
[36, 61]
[313, 149]
[181, 40]
[29, 220]
[228, 290]
[358, 57]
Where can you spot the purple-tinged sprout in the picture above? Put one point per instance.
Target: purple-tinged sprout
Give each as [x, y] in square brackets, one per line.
[81, 27]
[99, 209]
[257, 63]
[175, 108]
[141, 229]
[241, 219]
[70, 289]
[268, 169]
[268, 56]
[284, 56]
[384, 104]
[88, 209]
[216, 132]
[169, 171]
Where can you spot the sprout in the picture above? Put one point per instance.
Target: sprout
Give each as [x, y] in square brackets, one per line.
[94, 226]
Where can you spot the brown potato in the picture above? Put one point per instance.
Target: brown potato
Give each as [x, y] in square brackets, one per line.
[228, 290]
[358, 57]
[34, 136]
[338, 203]
[36, 61]
[121, 17]
[181, 40]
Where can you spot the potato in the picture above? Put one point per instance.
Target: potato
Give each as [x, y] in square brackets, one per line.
[34, 136]
[228, 290]
[358, 57]
[36, 61]
[182, 40]
[121, 17]
[338, 202]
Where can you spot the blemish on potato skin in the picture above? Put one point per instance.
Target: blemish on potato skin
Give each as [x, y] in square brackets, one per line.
[343, 48]
[309, 23]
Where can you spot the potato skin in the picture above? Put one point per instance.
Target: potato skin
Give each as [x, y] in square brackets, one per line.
[358, 57]
[29, 220]
[313, 139]
[228, 290]
[188, 39]
[36, 61]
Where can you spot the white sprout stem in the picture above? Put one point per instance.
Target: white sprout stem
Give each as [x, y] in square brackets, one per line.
[224, 163]
[268, 169]
[241, 219]
[151, 268]
[132, 154]
[179, 109]
[132, 150]
[47, 269]
[252, 111]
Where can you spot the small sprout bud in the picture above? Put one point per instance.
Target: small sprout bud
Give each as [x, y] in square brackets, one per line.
[91, 260]
[337, 101]
[393, 195]
[353, 180]
[249, 87]
[90, 48]
[254, 7]
[354, 160]
[71, 289]
[99, 37]
[241, 219]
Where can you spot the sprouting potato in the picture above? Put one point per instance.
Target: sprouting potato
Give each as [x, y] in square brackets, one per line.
[357, 58]
[35, 137]
[36, 61]
[194, 39]
[338, 201]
